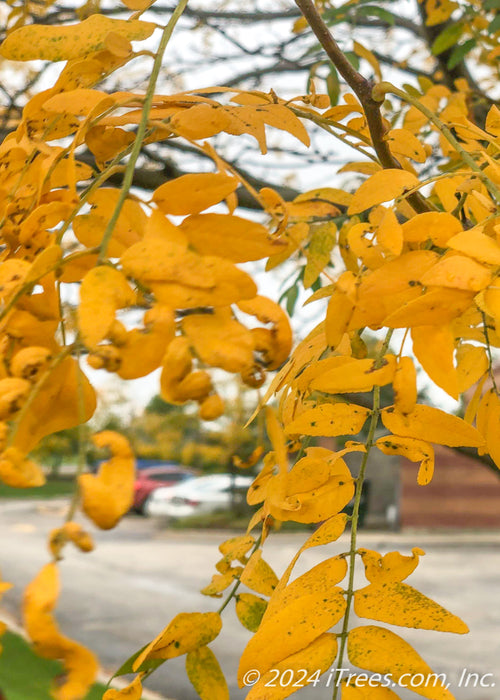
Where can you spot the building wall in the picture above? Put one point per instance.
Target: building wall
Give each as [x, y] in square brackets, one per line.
[463, 493]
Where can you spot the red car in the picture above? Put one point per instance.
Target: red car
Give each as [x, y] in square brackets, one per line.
[151, 478]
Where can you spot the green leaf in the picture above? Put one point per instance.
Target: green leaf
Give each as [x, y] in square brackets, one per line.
[333, 86]
[491, 4]
[447, 38]
[494, 25]
[373, 11]
[460, 52]
[126, 667]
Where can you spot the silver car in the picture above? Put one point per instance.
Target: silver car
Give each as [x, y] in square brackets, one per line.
[206, 494]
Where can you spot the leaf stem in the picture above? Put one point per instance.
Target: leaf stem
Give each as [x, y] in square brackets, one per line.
[355, 511]
[141, 130]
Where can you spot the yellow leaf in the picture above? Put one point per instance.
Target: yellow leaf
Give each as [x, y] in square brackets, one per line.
[220, 582]
[231, 285]
[318, 369]
[383, 186]
[142, 350]
[205, 674]
[297, 668]
[13, 393]
[63, 43]
[492, 301]
[232, 237]
[57, 405]
[393, 566]
[431, 309]
[69, 532]
[191, 194]
[80, 664]
[329, 420]
[258, 575]
[133, 691]
[412, 449]
[250, 610]
[358, 375]
[327, 194]
[279, 338]
[381, 651]
[403, 142]
[291, 629]
[365, 53]
[79, 102]
[106, 142]
[405, 385]
[159, 260]
[434, 348]
[102, 292]
[108, 495]
[490, 425]
[200, 121]
[220, 340]
[438, 227]
[433, 425]
[319, 252]
[390, 234]
[185, 633]
[338, 316]
[476, 245]
[129, 229]
[397, 603]
[457, 272]
[17, 471]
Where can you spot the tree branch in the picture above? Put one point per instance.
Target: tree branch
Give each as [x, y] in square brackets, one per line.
[363, 91]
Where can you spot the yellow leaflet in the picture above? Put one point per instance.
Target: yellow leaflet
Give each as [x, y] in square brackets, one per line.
[405, 385]
[69, 532]
[219, 340]
[365, 53]
[102, 292]
[338, 317]
[488, 422]
[258, 575]
[250, 610]
[318, 656]
[129, 229]
[142, 350]
[358, 375]
[185, 633]
[277, 438]
[79, 102]
[106, 142]
[80, 664]
[393, 566]
[473, 405]
[292, 237]
[392, 285]
[291, 629]
[412, 449]
[432, 424]
[133, 691]
[200, 121]
[381, 187]
[319, 252]
[403, 142]
[191, 194]
[472, 363]
[360, 689]
[220, 582]
[205, 674]
[323, 576]
[230, 285]
[434, 348]
[361, 242]
[329, 420]
[476, 245]
[19, 472]
[318, 369]
[492, 300]
[45, 216]
[236, 547]
[63, 43]
[381, 651]
[13, 393]
[327, 194]
[390, 234]
[232, 237]
[435, 226]
[278, 343]
[397, 603]
[56, 406]
[44, 263]
[458, 272]
[108, 495]
[431, 309]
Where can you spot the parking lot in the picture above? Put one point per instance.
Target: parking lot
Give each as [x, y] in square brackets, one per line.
[121, 595]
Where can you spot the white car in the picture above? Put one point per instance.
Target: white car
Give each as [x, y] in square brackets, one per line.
[206, 494]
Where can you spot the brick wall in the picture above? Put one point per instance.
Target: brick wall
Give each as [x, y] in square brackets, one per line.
[463, 493]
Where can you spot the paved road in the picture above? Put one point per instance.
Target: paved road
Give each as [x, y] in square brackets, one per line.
[120, 596]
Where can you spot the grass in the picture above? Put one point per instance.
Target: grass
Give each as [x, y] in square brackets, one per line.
[26, 676]
[53, 487]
